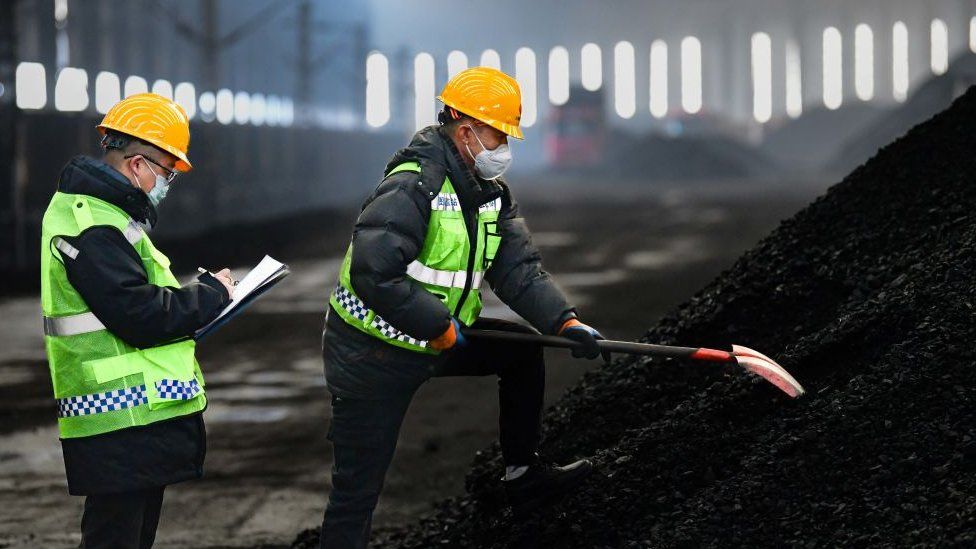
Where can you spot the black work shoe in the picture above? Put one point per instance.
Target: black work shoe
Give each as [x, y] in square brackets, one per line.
[542, 483]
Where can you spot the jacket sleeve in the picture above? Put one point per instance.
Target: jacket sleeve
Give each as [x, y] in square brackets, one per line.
[389, 235]
[517, 278]
[110, 277]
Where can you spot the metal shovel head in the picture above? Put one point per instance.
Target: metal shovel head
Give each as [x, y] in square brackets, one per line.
[765, 367]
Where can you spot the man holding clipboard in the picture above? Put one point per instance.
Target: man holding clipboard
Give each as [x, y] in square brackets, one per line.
[118, 326]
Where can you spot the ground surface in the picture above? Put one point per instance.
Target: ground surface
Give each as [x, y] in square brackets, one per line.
[626, 255]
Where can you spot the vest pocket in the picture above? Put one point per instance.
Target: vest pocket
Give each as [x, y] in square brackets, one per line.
[168, 372]
[493, 240]
[445, 250]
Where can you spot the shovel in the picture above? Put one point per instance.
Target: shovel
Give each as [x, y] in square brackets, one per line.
[752, 361]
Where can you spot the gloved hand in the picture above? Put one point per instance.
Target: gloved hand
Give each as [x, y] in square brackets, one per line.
[587, 336]
[452, 338]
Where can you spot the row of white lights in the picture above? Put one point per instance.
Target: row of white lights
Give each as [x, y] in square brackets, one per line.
[591, 74]
[224, 106]
[591, 70]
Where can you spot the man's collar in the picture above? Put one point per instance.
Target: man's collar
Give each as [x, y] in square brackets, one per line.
[85, 175]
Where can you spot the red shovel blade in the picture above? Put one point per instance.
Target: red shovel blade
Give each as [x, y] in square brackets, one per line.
[765, 367]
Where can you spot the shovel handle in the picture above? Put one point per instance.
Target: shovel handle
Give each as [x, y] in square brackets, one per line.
[625, 347]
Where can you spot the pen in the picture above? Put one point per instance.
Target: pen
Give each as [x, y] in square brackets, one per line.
[202, 270]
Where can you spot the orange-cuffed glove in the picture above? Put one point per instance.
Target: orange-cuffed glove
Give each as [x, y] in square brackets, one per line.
[450, 339]
[586, 336]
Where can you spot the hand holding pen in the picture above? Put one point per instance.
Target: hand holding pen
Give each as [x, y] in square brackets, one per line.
[223, 276]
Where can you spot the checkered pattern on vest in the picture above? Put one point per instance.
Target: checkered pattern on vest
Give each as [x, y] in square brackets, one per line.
[354, 306]
[177, 390]
[128, 397]
[389, 331]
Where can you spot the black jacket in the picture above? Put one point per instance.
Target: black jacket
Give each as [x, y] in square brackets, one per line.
[390, 232]
[109, 275]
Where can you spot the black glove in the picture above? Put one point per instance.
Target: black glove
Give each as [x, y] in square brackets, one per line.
[587, 337]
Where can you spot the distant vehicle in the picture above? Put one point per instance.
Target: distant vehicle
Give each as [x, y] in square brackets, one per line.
[576, 133]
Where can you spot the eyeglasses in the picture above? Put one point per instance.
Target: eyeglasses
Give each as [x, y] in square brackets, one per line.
[170, 174]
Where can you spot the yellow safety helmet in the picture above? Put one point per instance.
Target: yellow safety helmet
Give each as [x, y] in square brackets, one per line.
[154, 119]
[488, 95]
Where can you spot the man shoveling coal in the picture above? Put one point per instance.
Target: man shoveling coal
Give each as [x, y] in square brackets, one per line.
[441, 221]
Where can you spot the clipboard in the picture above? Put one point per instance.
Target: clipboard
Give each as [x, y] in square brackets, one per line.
[264, 276]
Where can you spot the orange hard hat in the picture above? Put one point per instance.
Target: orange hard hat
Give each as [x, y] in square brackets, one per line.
[154, 119]
[488, 95]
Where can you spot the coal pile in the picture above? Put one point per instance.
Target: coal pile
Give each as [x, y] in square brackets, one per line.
[867, 296]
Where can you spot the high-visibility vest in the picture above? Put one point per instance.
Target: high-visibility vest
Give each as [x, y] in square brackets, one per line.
[448, 266]
[101, 383]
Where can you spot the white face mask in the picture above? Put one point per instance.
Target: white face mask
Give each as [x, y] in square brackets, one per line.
[490, 163]
[158, 192]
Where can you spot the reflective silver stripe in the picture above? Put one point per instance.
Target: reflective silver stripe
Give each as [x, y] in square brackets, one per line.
[65, 248]
[493, 206]
[451, 279]
[446, 201]
[132, 232]
[72, 325]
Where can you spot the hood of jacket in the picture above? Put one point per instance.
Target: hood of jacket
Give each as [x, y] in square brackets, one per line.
[86, 175]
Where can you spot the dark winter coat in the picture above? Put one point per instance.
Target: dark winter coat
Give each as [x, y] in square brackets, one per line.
[390, 233]
[109, 275]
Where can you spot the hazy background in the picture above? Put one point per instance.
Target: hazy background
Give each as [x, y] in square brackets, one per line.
[662, 140]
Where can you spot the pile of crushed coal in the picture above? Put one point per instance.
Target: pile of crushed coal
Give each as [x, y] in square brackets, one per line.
[868, 297]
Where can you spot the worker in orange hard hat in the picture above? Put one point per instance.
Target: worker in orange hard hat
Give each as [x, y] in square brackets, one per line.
[441, 221]
[128, 389]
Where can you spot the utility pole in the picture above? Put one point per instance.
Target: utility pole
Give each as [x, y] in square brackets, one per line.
[208, 40]
[303, 83]
[12, 254]
[358, 81]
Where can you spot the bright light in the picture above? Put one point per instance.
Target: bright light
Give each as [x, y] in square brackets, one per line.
[864, 62]
[107, 88]
[258, 109]
[287, 112]
[31, 86]
[242, 107]
[833, 69]
[164, 88]
[134, 85]
[71, 90]
[940, 47]
[762, 77]
[60, 11]
[691, 75]
[591, 67]
[423, 90]
[899, 56]
[490, 58]
[273, 115]
[972, 35]
[794, 80]
[624, 80]
[659, 79]
[377, 90]
[526, 77]
[225, 106]
[208, 106]
[558, 75]
[457, 61]
[185, 96]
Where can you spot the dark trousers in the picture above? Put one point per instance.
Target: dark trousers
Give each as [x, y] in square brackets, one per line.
[364, 431]
[121, 521]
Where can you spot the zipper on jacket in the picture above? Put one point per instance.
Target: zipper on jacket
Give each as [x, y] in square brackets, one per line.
[472, 248]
